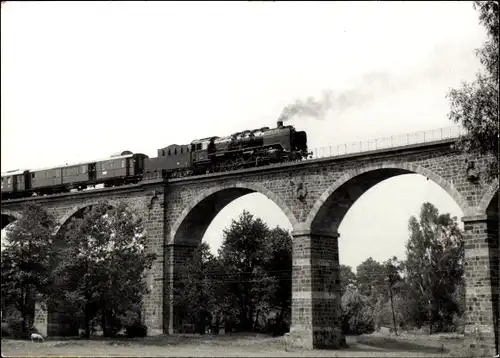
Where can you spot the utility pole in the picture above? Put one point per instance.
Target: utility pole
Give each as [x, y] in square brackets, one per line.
[389, 280]
[392, 307]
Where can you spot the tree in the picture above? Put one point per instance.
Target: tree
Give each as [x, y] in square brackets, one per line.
[475, 105]
[102, 266]
[393, 279]
[244, 253]
[371, 278]
[279, 268]
[347, 278]
[434, 266]
[196, 287]
[26, 261]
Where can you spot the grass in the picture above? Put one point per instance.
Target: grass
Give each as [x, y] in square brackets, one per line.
[235, 345]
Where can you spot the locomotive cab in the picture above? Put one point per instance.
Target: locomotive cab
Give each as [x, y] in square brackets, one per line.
[202, 149]
[299, 144]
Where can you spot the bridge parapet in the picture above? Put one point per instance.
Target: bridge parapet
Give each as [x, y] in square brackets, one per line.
[395, 141]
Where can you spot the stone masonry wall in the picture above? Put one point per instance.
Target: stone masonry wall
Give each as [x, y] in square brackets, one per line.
[316, 299]
[481, 262]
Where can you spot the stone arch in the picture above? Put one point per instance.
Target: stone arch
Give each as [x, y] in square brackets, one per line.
[217, 198]
[8, 217]
[329, 210]
[58, 323]
[490, 194]
[75, 210]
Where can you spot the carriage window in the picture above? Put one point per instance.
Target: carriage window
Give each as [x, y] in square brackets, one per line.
[175, 151]
[84, 169]
[123, 163]
[32, 175]
[58, 174]
[163, 152]
[169, 152]
[9, 180]
[181, 150]
[205, 145]
[198, 146]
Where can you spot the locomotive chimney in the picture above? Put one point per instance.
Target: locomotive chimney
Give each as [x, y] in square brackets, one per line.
[280, 123]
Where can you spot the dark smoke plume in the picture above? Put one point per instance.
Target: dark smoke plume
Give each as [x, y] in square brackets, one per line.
[310, 107]
[371, 85]
[376, 85]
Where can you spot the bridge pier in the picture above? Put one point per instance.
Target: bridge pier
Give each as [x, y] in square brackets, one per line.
[176, 256]
[41, 319]
[152, 314]
[316, 299]
[482, 284]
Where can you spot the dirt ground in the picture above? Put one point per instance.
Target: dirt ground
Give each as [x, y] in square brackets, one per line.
[235, 345]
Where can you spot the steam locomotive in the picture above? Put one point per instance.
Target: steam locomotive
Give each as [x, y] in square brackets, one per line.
[250, 148]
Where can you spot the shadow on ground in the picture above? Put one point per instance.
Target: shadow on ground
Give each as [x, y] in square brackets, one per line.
[244, 344]
[173, 340]
[388, 344]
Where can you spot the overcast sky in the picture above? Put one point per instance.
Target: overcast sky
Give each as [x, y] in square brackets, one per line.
[85, 80]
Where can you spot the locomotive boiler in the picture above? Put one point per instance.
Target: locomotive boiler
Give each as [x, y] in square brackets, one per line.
[249, 148]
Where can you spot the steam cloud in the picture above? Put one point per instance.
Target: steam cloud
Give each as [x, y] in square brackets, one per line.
[309, 107]
[371, 85]
[380, 84]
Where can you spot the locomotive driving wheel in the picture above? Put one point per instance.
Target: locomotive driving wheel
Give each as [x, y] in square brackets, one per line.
[239, 163]
[227, 166]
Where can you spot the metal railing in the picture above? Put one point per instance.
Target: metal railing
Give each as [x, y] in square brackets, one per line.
[388, 142]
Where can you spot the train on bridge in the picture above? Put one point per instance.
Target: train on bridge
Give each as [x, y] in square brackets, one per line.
[250, 148]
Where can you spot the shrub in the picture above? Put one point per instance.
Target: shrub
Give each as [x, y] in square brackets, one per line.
[357, 315]
[5, 329]
[113, 326]
[136, 329]
[458, 324]
[14, 328]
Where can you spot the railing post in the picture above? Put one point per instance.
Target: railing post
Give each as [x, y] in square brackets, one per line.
[441, 133]
[330, 151]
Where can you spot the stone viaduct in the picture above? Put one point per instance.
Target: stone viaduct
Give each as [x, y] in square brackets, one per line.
[315, 195]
